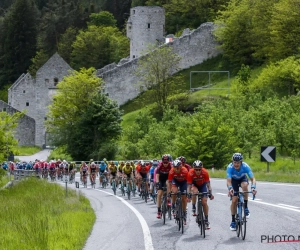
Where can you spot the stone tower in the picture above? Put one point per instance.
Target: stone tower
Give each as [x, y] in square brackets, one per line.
[146, 25]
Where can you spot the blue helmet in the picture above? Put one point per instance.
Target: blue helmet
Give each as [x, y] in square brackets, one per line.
[237, 157]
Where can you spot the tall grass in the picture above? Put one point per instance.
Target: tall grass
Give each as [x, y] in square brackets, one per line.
[37, 215]
[25, 150]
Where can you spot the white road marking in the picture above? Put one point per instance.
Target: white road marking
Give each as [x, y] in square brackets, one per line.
[287, 205]
[146, 230]
[263, 183]
[228, 197]
[292, 208]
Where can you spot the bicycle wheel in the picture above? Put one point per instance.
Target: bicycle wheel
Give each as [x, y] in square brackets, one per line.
[163, 209]
[128, 189]
[200, 218]
[243, 223]
[114, 186]
[146, 196]
[169, 212]
[238, 226]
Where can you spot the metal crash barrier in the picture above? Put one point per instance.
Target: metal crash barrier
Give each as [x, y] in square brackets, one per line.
[20, 174]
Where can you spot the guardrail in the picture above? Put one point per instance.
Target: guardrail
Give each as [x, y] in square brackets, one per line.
[20, 174]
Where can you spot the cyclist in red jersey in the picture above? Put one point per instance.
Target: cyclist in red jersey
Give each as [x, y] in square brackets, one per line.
[198, 181]
[162, 174]
[142, 171]
[178, 180]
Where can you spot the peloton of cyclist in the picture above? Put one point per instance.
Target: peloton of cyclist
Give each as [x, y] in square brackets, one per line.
[161, 178]
[198, 181]
[237, 172]
[178, 179]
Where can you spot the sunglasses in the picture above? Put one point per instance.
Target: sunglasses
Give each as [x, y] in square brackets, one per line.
[197, 169]
[165, 162]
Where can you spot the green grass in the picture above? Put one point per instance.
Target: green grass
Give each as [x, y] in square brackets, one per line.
[37, 215]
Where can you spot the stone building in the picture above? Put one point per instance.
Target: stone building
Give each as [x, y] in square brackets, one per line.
[146, 25]
[35, 95]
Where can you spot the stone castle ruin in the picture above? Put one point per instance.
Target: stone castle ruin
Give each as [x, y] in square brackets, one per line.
[145, 26]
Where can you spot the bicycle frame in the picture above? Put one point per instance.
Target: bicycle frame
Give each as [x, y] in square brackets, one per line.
[200, 219]
[179, 210]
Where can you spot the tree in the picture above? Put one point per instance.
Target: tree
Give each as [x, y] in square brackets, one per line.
[97, 129]
[18, 40]
[155, 70]
[38, 61]
[64, 48]
[71, 100]
[8, 124]
[103, 18]
[98, 46]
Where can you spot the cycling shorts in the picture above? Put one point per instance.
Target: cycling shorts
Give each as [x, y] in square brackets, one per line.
[181, 184]
[202, 188]
[235, 184]
[162, 181]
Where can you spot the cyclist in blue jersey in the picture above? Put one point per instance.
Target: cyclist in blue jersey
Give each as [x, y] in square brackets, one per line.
[237, 172]
[102, 171]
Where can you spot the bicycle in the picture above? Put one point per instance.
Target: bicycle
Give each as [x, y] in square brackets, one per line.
[128, 188]
[133, 188]
[84, 179]
[104, 180]
[154, 194]
[200, 218]
[114, 185]
[179, 214]
[165, 208]
[240, 216]
[93, 177]
[144, 192]
[122, 187]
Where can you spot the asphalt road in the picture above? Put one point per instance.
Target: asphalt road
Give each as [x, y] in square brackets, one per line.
[132, 224]
[42, 155]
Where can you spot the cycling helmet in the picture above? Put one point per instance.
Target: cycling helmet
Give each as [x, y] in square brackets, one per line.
[102, 162]
[176, 163]
[182, 159]
[122, 162]
[143, 164]
[127, 163]
[237, 157]
[197, 164]
[165, 158]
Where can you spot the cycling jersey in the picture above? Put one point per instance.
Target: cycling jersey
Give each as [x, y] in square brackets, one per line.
[162, 169]
[244, 170]
[198, 178]
[112, 168]
[181, 176]
[120, 168]
[127, 170]
[143, 170]
[93, 169]
[102, 168]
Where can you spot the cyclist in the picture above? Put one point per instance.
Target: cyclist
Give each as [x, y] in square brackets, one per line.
[178, 179]
[198, 181]
[161, 178]
[112, 169]
[152, 169]
[102, 171]
[52, 168]
[142, 171]
[127, 172]
[183, 163]
[120, 169]
[93, 171]
[237, 172]
[84, 171]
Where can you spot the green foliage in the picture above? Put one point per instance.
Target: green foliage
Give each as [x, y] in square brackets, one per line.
[18, 40]
[70, 102]
[34, 219]
[8, 124]
[94, 133]
[60, 153]
[282, 77]
[103, 18]
[38, 61]
[26, 150]
[98, 46]
[82, 119]
[67, 38]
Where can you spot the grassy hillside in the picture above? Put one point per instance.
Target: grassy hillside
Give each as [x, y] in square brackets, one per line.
[221, 87]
